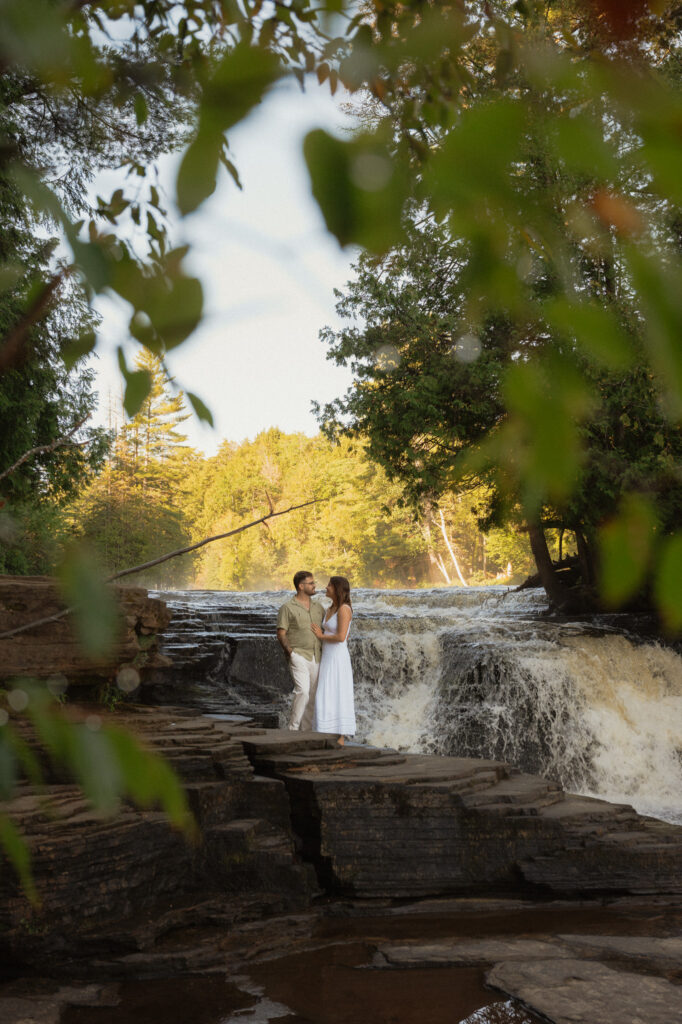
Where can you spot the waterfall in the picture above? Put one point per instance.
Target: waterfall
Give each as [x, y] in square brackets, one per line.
[476, 672]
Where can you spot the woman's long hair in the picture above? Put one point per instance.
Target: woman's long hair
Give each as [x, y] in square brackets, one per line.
[341, 590]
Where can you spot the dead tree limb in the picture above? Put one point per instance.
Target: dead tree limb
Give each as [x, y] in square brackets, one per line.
[157, 561]
[208, 540]
[47, 448]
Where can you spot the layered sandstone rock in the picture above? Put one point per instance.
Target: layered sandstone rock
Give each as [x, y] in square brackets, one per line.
[52, 649]
[378, 823]
[283, 816]
[109, 887]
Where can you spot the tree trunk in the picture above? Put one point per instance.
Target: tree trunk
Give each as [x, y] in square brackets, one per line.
[449, 547]
[437, 562]
[585, 558]
[441, 565]
[558, 594]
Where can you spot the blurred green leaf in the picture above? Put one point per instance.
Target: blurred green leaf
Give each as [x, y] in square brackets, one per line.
[546, 401]
[96, 616]
[96, 766]
[18, 855]
[35, 35]
[577, 139]
[237, 84]
[77, 349]
[149, 779]
[141, 110]
[10, 275]
[360, 188]
[595, 328]
[625, 546]
[472, 174]
[93, 262]
[27, 759]
[174, 304]
[202, 410]
[231, 169]
[138, 386]
[198, 172]
[8, 764]
[659, 284]
[668, 582]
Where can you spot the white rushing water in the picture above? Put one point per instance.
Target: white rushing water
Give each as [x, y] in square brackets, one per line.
[475, 671]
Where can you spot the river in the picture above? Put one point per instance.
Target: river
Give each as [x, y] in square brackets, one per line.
[467, 671]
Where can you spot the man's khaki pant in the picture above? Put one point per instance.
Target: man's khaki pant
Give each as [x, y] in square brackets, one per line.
[304, 674]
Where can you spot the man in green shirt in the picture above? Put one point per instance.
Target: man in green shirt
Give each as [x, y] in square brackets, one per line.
[301, 647]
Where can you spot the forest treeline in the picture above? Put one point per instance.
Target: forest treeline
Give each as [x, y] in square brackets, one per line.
[153, 493]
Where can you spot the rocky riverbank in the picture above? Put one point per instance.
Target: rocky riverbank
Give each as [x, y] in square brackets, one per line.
[51, 648]
[558, 901]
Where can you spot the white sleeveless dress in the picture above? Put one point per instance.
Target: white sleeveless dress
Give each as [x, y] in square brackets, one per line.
[334, 707]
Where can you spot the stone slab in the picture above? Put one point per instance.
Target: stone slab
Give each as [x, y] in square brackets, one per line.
[462, 952]
[657, 953]
[584, 992]
[39, 1001]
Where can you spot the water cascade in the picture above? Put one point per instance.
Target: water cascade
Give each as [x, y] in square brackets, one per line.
[469, 671]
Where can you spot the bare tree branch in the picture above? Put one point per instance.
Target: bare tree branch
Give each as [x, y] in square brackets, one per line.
[208, 540]
[47, 447]
[157, 561]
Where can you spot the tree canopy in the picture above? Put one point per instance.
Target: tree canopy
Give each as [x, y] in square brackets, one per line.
[542, 137]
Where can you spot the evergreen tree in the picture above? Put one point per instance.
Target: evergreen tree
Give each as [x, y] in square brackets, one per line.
[155, 450]
[132, 512]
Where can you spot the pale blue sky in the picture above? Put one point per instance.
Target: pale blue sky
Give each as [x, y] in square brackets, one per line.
[269, 268]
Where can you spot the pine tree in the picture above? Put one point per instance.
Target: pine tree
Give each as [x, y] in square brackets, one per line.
[155, 449]
[133, 512]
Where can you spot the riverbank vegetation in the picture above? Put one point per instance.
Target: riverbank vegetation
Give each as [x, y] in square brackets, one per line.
[155, 493]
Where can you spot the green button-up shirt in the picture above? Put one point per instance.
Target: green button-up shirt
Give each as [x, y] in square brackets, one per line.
[297, 621]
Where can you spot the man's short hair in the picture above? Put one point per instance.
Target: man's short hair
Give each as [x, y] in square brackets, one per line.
[299, 577]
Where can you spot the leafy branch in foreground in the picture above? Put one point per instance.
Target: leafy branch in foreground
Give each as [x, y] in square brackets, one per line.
[106, 761]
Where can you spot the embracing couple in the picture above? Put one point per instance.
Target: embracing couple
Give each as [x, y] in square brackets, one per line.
[315, 641]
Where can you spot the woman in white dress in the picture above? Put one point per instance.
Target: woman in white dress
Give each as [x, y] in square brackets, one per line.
[334, 708]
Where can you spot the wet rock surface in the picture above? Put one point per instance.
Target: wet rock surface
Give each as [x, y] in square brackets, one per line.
[222, 658]
[53, 649]
[576, 992]
[307, 848]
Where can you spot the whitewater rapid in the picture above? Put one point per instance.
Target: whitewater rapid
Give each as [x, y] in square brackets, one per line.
[477, 672]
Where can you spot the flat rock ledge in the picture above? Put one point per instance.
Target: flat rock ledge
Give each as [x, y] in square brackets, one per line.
[564, 978]
[379, 823]
[575, 992]
[286, 818]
